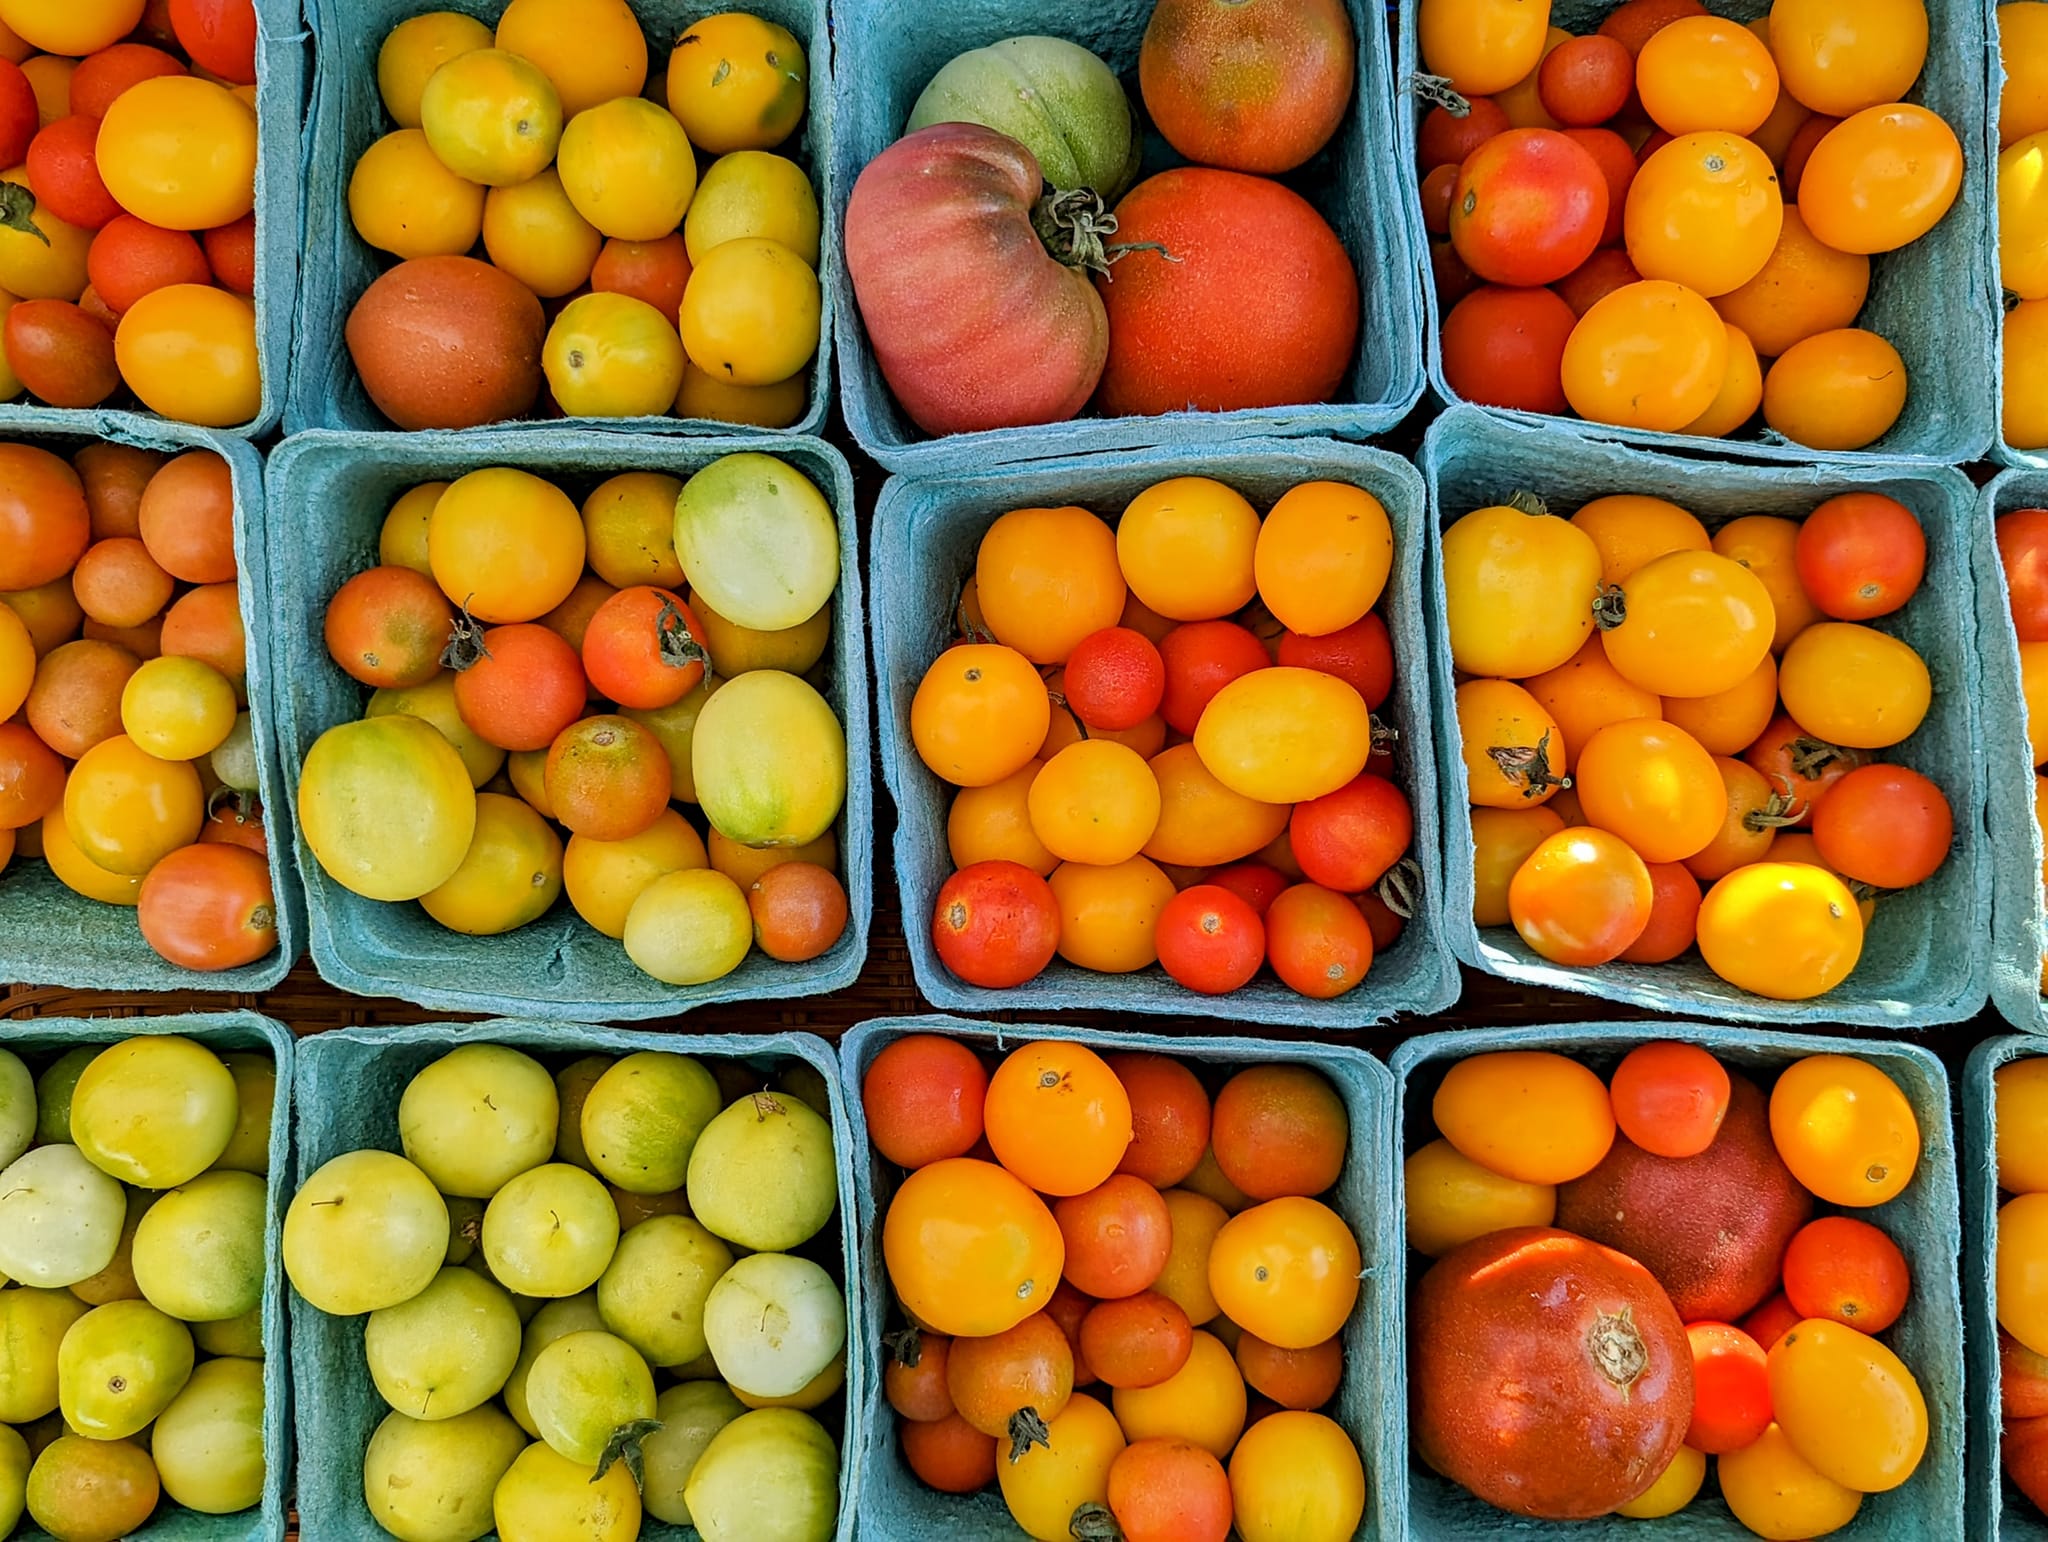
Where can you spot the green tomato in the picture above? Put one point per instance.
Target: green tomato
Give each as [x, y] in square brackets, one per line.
[763, 1174]
[88, 1490]
[53, 1095]
[550, 1232]
[238, 1337]
[199, 1249]
[806, 1083]
[256, 1091]
[653, 1294]
[690, 1414]
[32, 1325]
[586, 1390]
[642, 1119]
[155, 1111]
[572, 1085]
[477, 1118]
[447, 1349]
[17, 1110]
[556, 1320]
[1055, 98]
[60, 1218]
[432, 1482]
[119, 1367]
[769, 1476]
[13, 1479]
[774, 1322]
[208, 1445]
[366, 1231]
[545, 1497]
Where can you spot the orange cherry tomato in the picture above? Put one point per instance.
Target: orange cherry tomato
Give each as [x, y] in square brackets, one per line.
[970, 1250]
[1654, 787]
[1650, 355]
[1057, 1117]
[1582, 897]
[1670, 1098]
[1847, 1271]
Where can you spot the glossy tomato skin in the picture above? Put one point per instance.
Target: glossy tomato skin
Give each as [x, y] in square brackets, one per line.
[1861, 555]
[209, 907]
[975, 324]
[995, 924]
[1361, 655]
[2023, 553]
[1885, 825]
[923, 1098]
[1582, 897]
[1210, 940]
[1529, 207]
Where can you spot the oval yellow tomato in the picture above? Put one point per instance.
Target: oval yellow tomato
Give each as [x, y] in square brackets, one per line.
[1841, 56]
[386, 807]
[1781, 929]
[402, 200]
[189, 352]
[750, 312]
[1528, 1115]
[1514, 755]
[1845, 1129]
[1450, 1199]
[2025, 419]
[2023, 217]
[1297, 1477]
[1849, 1406]
[414, 49]
[738, 82]
[1482, 46]
[1651, 784]
[510, 876]
[1741, 393]
[605, 877]
[590, 50]
[1838, 390]
[2020, 1096]
[1502, 839]
[1671, 1493]
[1704, 211]
[46, 263]
[2023, 49]
[179, 152]
[1881, 178]
[1203, 1402]
[753, 193]
[492, 117]
[1691, 624]
[1850, 684]
[535, 233]
[1284, 735]
[1631, 529]
[1650, 355]
[79, 873]
[1776, 1492]
[2022, 1269]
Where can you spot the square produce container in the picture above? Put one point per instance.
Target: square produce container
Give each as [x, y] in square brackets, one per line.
[1912, 973]
[40, 1040]
[899, 1508]
[926, 534]
[1923, 1221]
[332, 491]
[1936, 301]
[351, 1082]
[53, 935]
[347, 116]
[889, 50]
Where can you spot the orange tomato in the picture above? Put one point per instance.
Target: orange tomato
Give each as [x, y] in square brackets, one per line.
[1201, 822]
[993, 824]
[189, 352]
[18, 665]
[126, 810]
[1670, 1098]
[532, 231]
[1838, 390]
[1845, 1129]
[1804, 288]
[1631, 529]
[1881, 178]
[1514, 754]
[1729, 722]
[969, 1249]
[1322, 557]
[1197, 1221]
[1057, 1117]
[2025, 419]
[1841, 56]
[1582, 898]
[1741, 393]
[1046, 578]
[180, 152]
[1652, 785]
[1094, 802]
[1482, 46]
[1764, 543]
[1703, 72]
[1109, 916]
[1502, 840]
[1203, 1402]
[1748, 826]
[1781, 929]
[980, 714]
[1188, 547]
[1297, 1477]
[1650, 355]
[1287, 1271]
[1529, 1115]
[1691, 624]
[1850, 684]
[1588, 693]
[506, 545]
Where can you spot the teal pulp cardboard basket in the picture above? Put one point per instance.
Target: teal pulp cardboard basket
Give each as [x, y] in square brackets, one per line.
[1912, 973]
[39, 1040]
[926, 532]
[889, 49]
[1923, 1221]
[350, 1083]
[897, 1507]
[347, 116]
[53, 935]
[331, 491]
[1936, 301]
[1998, 1511]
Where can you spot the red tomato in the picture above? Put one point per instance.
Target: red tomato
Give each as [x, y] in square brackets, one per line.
[1884, 825]
[1635, 22]
[1586, 80]
[1437, 189]
[2023, 553]
[103, 76]
[1530, 206]
[1319, 943]
[219, 35]
[1067, 1308]
[1674, 915]
[1118, 1236]
[1169, 1117]
[1361, 655]
[995, 924]
[1860, 555]
[1800, 766]
[1505, 348]
[949, 1454]
[1805, 140]
[1210, 940]
[1771, 1322]
[231, 253]
[19, 115]
[1445, 139]
[129, 259]
[916, 1386]
[922, 1096]
[655, 271]
[64, 173]
[1384, 922]
[1618, 164]
[526, 686]
[1115, 678]
[1731, 1392]
[1200, 658]
[1448, 272]
[232, 825]
[1136, 1341]
[1596, 278]
[209, 907]
[60, 353]
[1164, 1490]
[1670, 1098]
[644, 648]
[1346, 840]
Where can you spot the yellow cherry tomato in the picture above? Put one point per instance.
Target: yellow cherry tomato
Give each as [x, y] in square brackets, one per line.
[1650, 355]
[1803, 290]
[1705, 210]
[179, 152]
[1502, 839]
[1285, 735]
[1651, 784]
[1690, 624]
[1515, 757]
[1631, 529]
[2020, 1101]
[79, 873]
[1287, 1271]
[1850, 684]
[738, 82]
[1729, 722]
[770, 406]
[1519, 589]
[2023, 49]
[1671, 1493]
[75, 27]
[605, 877]
[178, 708]
[628, 169]
[1741, 393]
[1845, 1129]
[1841, 56]
[612, 356]
[591, 50]
[1777, 1493]
[2022, 1264]
[41, 257]
[1765, 544]
[126, 810]
[434, 703]
[492, 117]
[750, 312]
[979, 714]
[1482, 46]
[402, 540]
[1838, 390]
[402, 200]
[753, 193]
[1781, 929]
[417, 47]
[1109, 916]
[1203, 1402]
[2023, 217]
[189, 352]
[1529, 1115]
[1189, 548]
[511, 875]
[1450, 1199]
[1881, 178]
[2025, 420]
[534, 233]
[1848, 1405]
[1297, 1477]
[1050, 1481]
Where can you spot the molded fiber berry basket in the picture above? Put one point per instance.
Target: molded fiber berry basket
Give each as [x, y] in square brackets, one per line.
[347, 116]
[1936, 301]
[1371, 1401]
[332, 491]
[350, 1083]
[926, 532]
[40, 1040]
[889, 49]
[53, 935]
[1923, 1221]
[1912, 973]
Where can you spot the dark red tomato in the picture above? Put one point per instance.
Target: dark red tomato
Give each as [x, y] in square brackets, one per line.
[232, 824]
[1635, 22]
[995, 924]
[19, 115]
[103, 76]
[643, 648]
[1384, 922]
[1320, 943]
[1437, 188]
[1530, 206]
[388, 627]
[1210, 940]
[1169, 1117]
[1674, 915]
[64, 173]
[2023, 553]
[1618, 164]
[1069, 1308]
[209, 907]
[1114, 678]
[1860, 555]
[219, 36]
[1805, 140]
[60, 353]
[524, 687]
[1448, 272]
[1800, 766]
[1445, 138]
[1585, 80]
[1596, 278]
[922, 1096]
[914, 1380]
[1118, 1237]
[129, 258]
[1884, 825]
[949, 1454]
[1505, 348]
[1202, 657]
[231, 253]
[1361, 655]
[1138, 1341]
[1257, 884]
[1346, 840]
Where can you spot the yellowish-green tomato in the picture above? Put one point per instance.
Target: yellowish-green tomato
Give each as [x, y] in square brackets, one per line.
[477, 1118]
[510, 876]
[13, 1479]
[234, 759]
[60, 1218]
[116, 1282]
[545, 1497]
[572, 1085]
[432, 1481]
[689, 927]
[758, 540]
[199, 1250]
[769, 1476]
[754, 193]
[588, 1392]
[690, 1414]
[447, 1349]
[17, 1108]
[119, 1367]
[763, 1174]
[366, 1231]
[653, 1294]
[155, 1110]
[550, 1232]
[32, 1324]
[556, 1320]
[256, 1093]
[642, 1118]
[208, 1445]
[239, 1337]
[774, 1322]
[53, 1095]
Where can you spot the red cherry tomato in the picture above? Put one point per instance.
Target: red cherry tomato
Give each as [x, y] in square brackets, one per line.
[1884, 825]
[1530, 206]
[1202, 657]
[1860, 555]
[1445, 139]
[524, 690]
[1346, 840]
[1118, 1237]
[995, 924]
[1504, 347]
[219, 35]
[922, 1096]
[1674, 915]
[209, 907]
[1585, 80]
[2023, 553]
[1361, 655]
[1210, 940]
[1670, 1098]
[644, 648]
[1115, 678]
[1731, 1393]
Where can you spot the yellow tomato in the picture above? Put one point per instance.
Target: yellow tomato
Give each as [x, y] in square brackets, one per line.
[628, 168]
[506, 544]
[1777, 1493]
[189, 352]
[1741, 393]
[1523, 101]
[1202, 823]
[2022, 1283]
[612, 356]
[49, 266]
[1297, 1477]
[1706, 73]
[1765, 544]
[1729, 722]
[753, 193]
[1482, 46]
[1095, 802]
[737, 649]
[1286, 1270]
[629, 525]
[402, 539]
[750, 313]
[179, 152]
[737, 82]
[1849, 1406]
[1654, 786]
[1450, 1199]
[603, 878]
[591, 50]
[1841, 56]
[434, 703]
[770, 406]
[126, 810]
[1285, 735]
[1515, 757]
[1519, 590]
[1671, 1493]
[1323, 555]
[1189, 548]
[1196, 1221]
[17, 662]
[492, 117]
[1630, 529]
[2025, 421]
[1850, 684]
[79, 873]
[980, 712]
[1650, 355]
[414, 49]
[689, 927]
[1502, 839]
[402, 200]
[1690, 624]
[2020, 1094]
[1881, 179]
[2023, 49]
[1109, 916]
[1845, 1129]
[1202, 1403]
[1705, 210]
[2023, 217]
[1528, 1115]
[534, 233]
[993, 824]
[1781, 929]
[75, 27]
[178, 708]
[511, 875]
[1838, 390]
[1803, 290]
